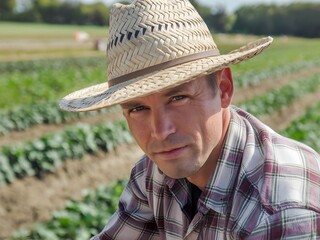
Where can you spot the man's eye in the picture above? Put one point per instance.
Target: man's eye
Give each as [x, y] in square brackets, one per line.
[177, 98]
[137, 109]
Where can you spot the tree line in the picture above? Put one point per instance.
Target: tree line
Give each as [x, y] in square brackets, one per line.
[296, 19]
[54, 11]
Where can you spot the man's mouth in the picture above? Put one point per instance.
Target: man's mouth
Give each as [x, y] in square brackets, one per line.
[171, 153]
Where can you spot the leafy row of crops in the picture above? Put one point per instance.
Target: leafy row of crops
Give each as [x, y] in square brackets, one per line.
[61, 64]
[254, 77]
[280, 97]
[36, 81]
[24, 117]
[306, 128]
[47, 153]
[80, 219]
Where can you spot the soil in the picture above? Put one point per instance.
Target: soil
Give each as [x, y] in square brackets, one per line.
[31, 200]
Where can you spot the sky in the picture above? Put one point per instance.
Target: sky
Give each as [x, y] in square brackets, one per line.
[229, 5]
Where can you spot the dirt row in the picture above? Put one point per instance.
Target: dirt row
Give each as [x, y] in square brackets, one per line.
[32, 200]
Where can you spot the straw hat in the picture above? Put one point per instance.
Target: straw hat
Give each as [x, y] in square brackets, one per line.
[154, 45]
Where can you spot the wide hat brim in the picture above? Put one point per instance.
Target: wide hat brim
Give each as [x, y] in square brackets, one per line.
[102, 96]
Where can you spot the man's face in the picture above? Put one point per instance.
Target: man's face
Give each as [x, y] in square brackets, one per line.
[177, 128]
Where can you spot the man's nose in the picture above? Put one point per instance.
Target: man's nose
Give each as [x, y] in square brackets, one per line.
[162, 124]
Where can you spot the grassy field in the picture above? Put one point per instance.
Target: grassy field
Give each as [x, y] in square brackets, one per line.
[37, 31]
[24, 41]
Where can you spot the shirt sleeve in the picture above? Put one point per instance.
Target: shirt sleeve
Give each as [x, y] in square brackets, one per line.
[134, 218]
[293, 223]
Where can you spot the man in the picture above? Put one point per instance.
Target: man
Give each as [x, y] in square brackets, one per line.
[211, 170]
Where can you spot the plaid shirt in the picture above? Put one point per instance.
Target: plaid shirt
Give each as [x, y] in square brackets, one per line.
[265, 186]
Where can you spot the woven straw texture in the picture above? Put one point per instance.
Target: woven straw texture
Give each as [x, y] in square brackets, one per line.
[154, 45]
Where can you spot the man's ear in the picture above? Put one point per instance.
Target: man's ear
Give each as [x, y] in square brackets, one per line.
[225, 84]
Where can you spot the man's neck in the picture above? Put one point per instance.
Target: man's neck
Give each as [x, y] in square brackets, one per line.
[201, 178]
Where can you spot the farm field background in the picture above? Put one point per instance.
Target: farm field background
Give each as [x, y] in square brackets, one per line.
[60, 169]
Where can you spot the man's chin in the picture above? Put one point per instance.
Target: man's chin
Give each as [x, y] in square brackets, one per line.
[178, 174]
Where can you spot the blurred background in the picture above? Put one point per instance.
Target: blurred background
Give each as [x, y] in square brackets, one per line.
[290, 17]
[35, 22]
[61, 173]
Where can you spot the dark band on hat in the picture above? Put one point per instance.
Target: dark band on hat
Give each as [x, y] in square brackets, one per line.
[162, 66]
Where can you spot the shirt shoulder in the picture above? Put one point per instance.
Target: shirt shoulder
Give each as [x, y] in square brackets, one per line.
[292, 223]
[291, 175]
[286, 173]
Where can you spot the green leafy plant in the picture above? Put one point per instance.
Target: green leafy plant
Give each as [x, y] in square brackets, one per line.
[30, 82]
[24, 117]
[47, 153]
[255, 76]
[80, 220]
[279, 97]
[305, 129]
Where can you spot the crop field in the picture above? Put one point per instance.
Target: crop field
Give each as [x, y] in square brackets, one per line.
[61, 173]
